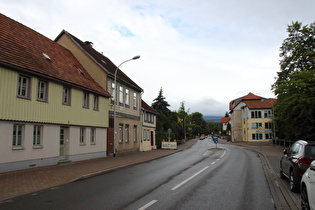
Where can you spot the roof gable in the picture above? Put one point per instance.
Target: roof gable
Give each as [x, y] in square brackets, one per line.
[25, 49]
[101, 60]
[225, 119]
[249, 97]
[146, 107]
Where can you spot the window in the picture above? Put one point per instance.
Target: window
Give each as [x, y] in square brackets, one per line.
[113, 93]
[37, 136]
[135, 133]
[256, 114]
[95, 103]
[256, 125]
[257, 136]
[268, 136]
[148, 135]
[85, 100]
[17, 136]
[144, 134]
[127, 98]
[82, 136]
[268, 125]
[135, 104]
[267, 114]
[121, 95]
[120, 132]
[92, 136]
[127, 133]
[42, 91]
[66, 96]
[24, 87]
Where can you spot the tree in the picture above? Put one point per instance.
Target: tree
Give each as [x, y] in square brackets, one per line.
[295, 86]
[198, 123]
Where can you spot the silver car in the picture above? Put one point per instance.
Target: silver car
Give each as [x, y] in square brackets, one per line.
[308, 188]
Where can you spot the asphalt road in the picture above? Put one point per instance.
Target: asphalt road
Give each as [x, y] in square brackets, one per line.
[202, 177]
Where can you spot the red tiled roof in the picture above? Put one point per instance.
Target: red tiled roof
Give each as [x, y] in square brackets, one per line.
[253, 101]
[260, 104]
[146, 107]
[225, 119]
[22, 49]
[101, 60]
[249, 96]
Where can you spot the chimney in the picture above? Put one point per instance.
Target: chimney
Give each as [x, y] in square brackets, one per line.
[89, 43]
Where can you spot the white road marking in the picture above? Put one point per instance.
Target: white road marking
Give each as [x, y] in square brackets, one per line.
[206, 153]
[223, 154]
[212, 163]
[190, 178]
[148, 205]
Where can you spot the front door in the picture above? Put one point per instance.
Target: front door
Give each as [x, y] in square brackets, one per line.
[63, 143]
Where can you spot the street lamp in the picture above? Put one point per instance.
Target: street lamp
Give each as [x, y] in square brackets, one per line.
[115, 98]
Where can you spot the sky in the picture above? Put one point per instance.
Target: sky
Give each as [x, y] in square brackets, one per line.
[204, 53]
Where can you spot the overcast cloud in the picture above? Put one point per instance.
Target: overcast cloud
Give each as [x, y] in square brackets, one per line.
[203, 52]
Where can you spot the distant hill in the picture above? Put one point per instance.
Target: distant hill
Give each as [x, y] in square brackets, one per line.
[215, 119]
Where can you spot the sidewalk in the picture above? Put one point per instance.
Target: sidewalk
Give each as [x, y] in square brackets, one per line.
[21, 182]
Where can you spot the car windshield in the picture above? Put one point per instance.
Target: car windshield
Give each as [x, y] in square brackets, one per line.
[310, 151]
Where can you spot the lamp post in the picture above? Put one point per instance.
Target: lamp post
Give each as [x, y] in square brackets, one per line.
[115, 98]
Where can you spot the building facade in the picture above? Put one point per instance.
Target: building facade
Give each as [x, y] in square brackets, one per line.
[251, 118]
[127, 94]
[148, 119]
[51, 109]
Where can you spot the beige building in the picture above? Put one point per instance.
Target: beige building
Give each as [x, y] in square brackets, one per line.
[148, 120]
[51, 109]
[128, 94]
[251, 118]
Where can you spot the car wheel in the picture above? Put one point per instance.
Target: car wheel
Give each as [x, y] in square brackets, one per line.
[294, 184]
[304, 200]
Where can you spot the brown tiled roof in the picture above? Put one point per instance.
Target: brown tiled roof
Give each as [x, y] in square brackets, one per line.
[22, 48]
[146, 107]
[249, 96]
[253, 101]
[105, 63]
[225, 119]
[260, 104]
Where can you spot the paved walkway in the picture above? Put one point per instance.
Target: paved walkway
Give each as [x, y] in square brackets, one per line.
[21, 182]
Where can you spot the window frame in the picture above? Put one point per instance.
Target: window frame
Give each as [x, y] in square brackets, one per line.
[82, 136]
[257, 136]
[24, 91]
[135, 102]
[121, 95]
[96, 102]
[127, 98]
[135, 133]
[113, 93]
[17, 140]
[37, 139]
[120, 133]
[86, 100]
[45, 92]
[127, 133]
[92, 136]
[66, 96]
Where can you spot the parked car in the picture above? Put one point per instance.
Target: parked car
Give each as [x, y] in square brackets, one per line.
[295, 162]
[308, 188]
